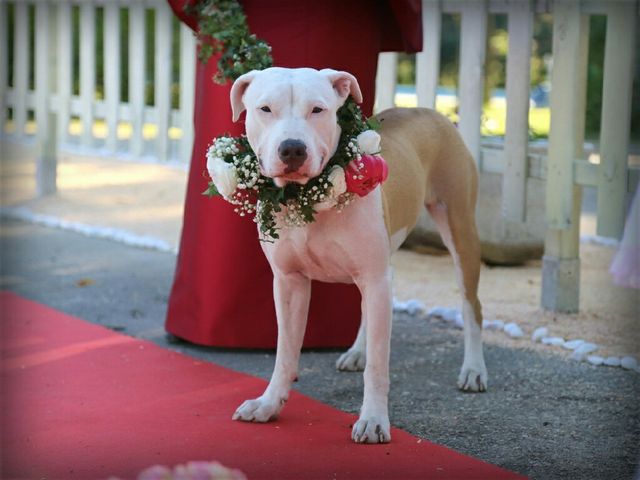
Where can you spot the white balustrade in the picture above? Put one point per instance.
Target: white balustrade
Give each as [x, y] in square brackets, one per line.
[147, 128]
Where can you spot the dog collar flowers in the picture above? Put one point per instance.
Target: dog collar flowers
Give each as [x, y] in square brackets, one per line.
[355, 169]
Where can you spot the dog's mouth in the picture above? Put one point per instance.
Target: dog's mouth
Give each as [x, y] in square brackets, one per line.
[293, 177]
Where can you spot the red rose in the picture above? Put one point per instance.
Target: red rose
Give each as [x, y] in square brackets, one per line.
[365, 175]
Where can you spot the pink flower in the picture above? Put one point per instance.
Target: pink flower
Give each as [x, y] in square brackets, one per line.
[192, 471]
[364, 175]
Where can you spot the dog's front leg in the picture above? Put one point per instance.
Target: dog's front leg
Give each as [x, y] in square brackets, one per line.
[373, 424]
[291, 294]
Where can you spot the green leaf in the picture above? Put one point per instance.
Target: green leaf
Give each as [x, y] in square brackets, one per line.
[373, 123]
[211, 190]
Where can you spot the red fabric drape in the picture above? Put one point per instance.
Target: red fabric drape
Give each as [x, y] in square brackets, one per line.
[222, 290]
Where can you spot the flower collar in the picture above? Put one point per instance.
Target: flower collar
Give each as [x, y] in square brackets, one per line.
[355, 169]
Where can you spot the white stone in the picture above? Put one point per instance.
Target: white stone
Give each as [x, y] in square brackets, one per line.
[573, 344]
[595, 360]
[492, 324]
[612, 361]
[397, 305]
[414, 307]
[578, 357]
[447, 314]
[586, 348]
[629, 363]
[513, 330]
[538, 333]
[554, 341]
[458, 320]
[450, 314]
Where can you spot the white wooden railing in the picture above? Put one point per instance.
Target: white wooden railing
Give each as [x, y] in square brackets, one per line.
[52, 63]
[565, 167]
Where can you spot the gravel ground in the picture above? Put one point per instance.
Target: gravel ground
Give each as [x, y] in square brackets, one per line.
[543, 416]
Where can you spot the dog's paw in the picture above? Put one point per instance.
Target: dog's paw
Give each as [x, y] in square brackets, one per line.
[372, 429]
[473, 379]
[257, 410]
[351, 361]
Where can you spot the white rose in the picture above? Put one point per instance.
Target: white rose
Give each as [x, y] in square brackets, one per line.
[337, 179]
[369, 142]
[338, 187]
[226, 179]
[223, 174]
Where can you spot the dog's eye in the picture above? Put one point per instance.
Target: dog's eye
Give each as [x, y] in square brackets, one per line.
[317, 110]
[265, 109]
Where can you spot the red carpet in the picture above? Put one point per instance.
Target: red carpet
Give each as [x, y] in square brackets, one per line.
[80, 401]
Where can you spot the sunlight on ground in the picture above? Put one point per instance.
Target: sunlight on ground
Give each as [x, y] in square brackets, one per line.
[144, 199]
[101, 130]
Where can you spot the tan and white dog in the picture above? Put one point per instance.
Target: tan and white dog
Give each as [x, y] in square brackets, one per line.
[291, 125]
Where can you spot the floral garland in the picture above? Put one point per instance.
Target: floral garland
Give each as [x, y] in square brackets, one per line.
[355, 169]
[222, 28]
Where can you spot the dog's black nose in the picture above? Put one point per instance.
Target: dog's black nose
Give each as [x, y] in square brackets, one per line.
[293, 153]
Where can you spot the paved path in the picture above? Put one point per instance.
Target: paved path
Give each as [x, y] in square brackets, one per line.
[543, 416]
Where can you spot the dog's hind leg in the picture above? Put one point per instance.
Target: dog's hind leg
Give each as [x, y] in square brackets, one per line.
[458, 230]
[354, 359]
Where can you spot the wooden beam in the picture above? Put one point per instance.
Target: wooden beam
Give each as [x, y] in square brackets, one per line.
[616, 117]
[20, 66]
[63, 91]
[473, 38]
[136, 76]
[46, 65]
[112, 72]
[428, 61]
[162, 80]
[87, 70]
[561, 261]
[514, 177]
[386, 81]
[187, 90]
[4, 60]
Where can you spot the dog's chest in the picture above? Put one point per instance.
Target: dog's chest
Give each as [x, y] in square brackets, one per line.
[322, 258]
[337, 247]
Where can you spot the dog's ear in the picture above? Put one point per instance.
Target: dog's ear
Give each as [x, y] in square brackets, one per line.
[344, 84]
[237, 91]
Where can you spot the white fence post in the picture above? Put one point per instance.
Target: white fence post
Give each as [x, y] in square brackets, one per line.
[616, 115]
[111, 57]
[386, 80]
[20, 66]
[514, 176]
[473, 38]
[428, 61]
[136, 75]
[46, 45]
[561, 262]
[87, 69]
[4, 62]
[63, 97]
[162, 87]
[187, 90]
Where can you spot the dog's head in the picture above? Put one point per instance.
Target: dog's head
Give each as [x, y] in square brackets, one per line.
[291, 119]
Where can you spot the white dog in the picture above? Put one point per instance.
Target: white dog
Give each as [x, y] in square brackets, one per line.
[294, 110]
